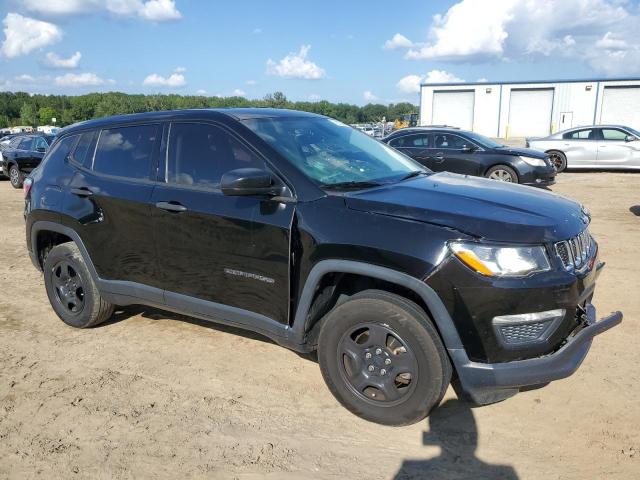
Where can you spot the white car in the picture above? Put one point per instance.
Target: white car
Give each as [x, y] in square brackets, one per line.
[597, 146]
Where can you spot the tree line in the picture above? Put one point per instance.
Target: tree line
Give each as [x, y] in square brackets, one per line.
[21, 108]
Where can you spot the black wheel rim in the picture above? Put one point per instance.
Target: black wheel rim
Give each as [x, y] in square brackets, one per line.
[377, 364]
[68, 286]
[556, 160]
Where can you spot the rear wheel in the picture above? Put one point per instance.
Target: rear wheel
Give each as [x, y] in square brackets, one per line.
[15, 176]
[502, 173]
[382, 358]
[558, 160]
[71, 290]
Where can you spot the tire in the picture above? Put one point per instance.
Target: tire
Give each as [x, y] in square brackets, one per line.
[416, 367]
[502, 173]
[16, 177]
[71, 290]
[558, 159]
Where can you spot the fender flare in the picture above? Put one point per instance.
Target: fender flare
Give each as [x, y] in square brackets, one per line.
[438, 312]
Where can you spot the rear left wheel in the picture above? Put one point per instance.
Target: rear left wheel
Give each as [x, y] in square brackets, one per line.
[382, 358]
[72, 292]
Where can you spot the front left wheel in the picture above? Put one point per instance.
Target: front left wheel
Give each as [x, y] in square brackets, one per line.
[72, 292]
[502, 173]
[15, 176]
[383, 359]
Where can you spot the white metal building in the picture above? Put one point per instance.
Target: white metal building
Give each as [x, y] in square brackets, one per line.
[522, 109]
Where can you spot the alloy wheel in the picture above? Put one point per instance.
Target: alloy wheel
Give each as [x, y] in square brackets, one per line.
[501, 175]
[14, 176]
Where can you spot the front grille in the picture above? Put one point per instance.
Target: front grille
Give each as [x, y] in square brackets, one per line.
[575, 252]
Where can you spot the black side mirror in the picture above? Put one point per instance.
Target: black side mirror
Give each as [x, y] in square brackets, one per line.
[630, 138]
[250, 181]
[468, 148]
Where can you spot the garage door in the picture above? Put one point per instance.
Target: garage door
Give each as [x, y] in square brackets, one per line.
[453, 108]
[530, 112]
[621, 106]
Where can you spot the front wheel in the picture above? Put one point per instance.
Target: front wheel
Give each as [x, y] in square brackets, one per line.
[502, 173]
[383, 359]
[15, 176]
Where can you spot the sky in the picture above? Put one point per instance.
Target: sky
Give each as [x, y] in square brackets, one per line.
[342, 51]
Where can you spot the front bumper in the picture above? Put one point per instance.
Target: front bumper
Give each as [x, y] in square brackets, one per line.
[491, 382]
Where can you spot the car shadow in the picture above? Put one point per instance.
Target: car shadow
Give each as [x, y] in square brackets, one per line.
[453, 428]
[635, 209]
[151, 313]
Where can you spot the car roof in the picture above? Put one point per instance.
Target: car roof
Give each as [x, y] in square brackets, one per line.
[196, 113]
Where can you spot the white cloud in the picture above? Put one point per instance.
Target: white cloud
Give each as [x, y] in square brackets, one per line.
[238, 93]
[24, 78]
[179, 70]
[257, 31]
[600, 33]
[369, 96]
[251, 82]
[159, 11]
[152, 10]
[201, 92]
[296, 65]
[411, 83]
[482, 80]
[397, 41]
[314, 97]
[173, 80]
[79, 80]
[24, 34]
[56, 61]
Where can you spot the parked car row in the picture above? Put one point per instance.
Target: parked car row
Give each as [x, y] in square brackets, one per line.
[323, 239]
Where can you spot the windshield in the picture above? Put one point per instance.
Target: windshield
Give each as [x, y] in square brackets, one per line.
[483, 141]
[634, 131]
[332, 153]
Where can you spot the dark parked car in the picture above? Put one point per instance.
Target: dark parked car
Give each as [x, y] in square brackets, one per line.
[22, 154]
[321, 238]
[460, 151]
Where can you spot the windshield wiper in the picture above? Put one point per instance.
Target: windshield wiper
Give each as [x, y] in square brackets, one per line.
[415, 173]
[352, 185]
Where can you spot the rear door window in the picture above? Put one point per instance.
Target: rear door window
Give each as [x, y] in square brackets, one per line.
[199, 154]
[61, 150]
[126, 151]
[587, 134]
[41, 143]
[83, 152]
[408, 141]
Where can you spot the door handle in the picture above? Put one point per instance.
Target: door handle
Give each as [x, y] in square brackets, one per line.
[81, 191]
[439, 157]
[171, 206]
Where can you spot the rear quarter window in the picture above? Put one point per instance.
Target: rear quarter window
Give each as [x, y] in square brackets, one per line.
[60, 150]
[126, 151]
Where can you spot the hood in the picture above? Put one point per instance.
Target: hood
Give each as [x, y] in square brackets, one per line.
[525, 152]
[479, 207]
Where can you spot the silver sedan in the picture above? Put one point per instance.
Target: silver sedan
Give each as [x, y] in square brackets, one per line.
[597, 146]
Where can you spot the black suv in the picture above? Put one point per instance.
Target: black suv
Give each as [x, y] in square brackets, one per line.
[469, 153]
[21, 155]
[313, 234]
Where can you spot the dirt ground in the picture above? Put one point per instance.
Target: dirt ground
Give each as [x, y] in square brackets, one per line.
[153, 395]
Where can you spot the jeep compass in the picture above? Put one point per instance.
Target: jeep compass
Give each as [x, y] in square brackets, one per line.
[323, 239]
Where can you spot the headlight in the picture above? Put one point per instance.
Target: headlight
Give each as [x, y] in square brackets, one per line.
[534, 162]
[501, 261]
